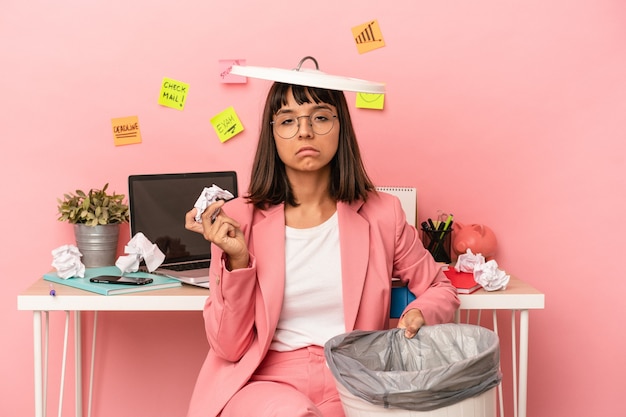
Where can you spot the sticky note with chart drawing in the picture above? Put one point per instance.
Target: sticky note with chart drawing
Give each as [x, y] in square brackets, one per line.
[226, 124]
[370, 101]
[368, 36]
[126, 130]
[173, 93]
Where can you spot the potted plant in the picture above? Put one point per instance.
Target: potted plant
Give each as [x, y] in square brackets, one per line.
[96, 216]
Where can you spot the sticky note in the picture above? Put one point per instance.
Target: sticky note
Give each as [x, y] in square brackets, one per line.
[227, 124]
[368, 37]
[173, 93]
[126, 130]
[370, 101]
[226, 77]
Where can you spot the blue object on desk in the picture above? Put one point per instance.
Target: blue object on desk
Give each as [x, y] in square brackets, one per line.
[400, 298]
[159, 281]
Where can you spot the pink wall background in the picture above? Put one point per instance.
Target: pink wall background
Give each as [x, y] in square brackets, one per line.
[504, 113]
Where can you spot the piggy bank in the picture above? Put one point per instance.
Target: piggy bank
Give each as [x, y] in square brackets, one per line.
[477, 237]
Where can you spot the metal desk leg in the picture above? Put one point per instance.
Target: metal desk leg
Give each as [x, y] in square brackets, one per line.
[523, 361]
[39, 412]
[78, 368]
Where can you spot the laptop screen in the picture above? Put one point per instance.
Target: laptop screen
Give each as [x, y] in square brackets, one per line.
[158, 204]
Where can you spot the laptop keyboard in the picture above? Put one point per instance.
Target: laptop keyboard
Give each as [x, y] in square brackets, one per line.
[188, 266]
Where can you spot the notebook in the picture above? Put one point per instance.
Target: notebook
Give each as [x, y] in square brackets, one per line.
[158, 203]
[463, 281]
[408, 200]
[158, 282]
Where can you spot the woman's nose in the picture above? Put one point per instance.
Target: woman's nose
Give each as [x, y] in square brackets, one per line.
[305, 128]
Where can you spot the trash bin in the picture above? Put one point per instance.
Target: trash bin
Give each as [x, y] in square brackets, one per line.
[445, 370]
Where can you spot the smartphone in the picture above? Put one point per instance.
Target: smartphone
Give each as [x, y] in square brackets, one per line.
[114, 279]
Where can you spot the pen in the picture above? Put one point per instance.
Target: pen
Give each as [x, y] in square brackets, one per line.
[439, 246]
[447, 224]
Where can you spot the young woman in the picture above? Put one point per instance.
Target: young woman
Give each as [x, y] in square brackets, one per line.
[308, 254]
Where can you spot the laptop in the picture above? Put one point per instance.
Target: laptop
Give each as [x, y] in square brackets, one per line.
[158, 204]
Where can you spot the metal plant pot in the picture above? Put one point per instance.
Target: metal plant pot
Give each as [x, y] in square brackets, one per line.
[98, 244]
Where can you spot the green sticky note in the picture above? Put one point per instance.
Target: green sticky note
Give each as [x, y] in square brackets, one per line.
[370, 101]
[173, 93]
[227, 124]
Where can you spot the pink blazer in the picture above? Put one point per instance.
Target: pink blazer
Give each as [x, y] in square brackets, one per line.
[244, 305]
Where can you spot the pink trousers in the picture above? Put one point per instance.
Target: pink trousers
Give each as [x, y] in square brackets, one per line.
[288, 384]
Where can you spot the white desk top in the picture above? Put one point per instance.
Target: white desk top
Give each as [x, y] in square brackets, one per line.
[517, 296]
[37, 297]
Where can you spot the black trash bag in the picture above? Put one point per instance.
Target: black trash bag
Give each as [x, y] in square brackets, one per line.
[442, 365]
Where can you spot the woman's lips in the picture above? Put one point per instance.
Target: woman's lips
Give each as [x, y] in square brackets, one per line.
[307, 151]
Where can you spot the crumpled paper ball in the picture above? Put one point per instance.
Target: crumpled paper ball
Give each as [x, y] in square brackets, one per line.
[66, 261]
[137, 249]
[209, 196]
[487, 274]
[490, 277]
[467, 261]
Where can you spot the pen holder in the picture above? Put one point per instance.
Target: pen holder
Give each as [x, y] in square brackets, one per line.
[438, 243]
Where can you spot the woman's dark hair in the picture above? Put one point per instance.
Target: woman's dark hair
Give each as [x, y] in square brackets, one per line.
[269, 184]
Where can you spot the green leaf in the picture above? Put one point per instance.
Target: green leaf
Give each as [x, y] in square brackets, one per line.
[93, 208]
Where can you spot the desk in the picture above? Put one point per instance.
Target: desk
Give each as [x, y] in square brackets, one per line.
[518, 296]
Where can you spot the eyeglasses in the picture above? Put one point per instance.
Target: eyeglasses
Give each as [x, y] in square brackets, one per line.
[287, 125]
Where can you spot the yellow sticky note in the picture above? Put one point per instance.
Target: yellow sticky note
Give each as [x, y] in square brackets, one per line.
[227, 124]
[370, 101]
[126, 130]
[173, 93]
[368, 36]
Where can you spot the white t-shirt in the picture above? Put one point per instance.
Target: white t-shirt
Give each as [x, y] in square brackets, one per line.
[312, 309]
